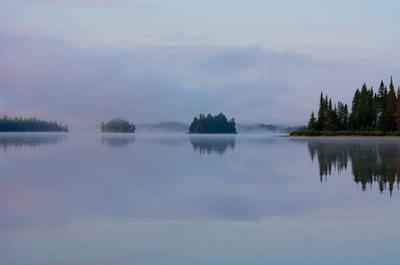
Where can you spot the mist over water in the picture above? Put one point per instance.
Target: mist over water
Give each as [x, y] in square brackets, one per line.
[22, 140]
[182, 199]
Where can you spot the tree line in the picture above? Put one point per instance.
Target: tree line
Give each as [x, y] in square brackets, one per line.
[30, 125]
[370, 111]
[212, 124]
[118, 125]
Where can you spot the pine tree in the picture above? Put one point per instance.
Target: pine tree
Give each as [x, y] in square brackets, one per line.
[381, 101]
[312, 124]
[345, 122]
[390, 108]
[372, 109]
[342, 116]
[354, 123]
[321, 114]
[330, 124]
[397, 113]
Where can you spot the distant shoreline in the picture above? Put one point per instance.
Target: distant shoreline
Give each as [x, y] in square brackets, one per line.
[344, 133]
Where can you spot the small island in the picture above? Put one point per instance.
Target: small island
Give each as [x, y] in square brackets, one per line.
[30, 125]
[117, 126]
[372, 114]
[210, 124]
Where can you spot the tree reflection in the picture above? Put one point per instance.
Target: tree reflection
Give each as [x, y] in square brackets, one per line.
[29, 140]
[117, 141]
[209, 145]
[372, 160]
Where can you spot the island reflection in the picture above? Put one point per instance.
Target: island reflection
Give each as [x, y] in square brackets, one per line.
[372, 160]
[20, 141]
[210, 144]
[117, 141]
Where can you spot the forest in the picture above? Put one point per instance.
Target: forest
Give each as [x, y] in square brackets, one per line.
[371, 113]
[210, 124]
[118, 126]
[30, 125]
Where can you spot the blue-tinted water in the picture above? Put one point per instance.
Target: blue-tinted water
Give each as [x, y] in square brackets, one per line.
[176, 199]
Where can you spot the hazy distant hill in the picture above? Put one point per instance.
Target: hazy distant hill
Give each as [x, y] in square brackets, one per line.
[265, 128]
[168, 126]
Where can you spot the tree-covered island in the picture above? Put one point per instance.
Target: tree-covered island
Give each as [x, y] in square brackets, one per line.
[30, 125]
[372, 114]
[210, 124]
[117, 126]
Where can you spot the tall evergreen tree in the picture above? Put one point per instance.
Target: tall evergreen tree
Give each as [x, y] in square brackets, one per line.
[330, 117]
[390, 108]
[321, 113]
[354, 116]
[342, 116]
[312, 124]
[372, 109]
[381, 106]
[397, 113]
[369, 111]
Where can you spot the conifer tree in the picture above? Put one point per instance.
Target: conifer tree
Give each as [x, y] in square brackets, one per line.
[329, 122]
[390, 108]
[381, 106]
[342, 116]
[372, 109]
[397, 113]
[369, 111]
[345, 122]
[321, 113]
[312, 124]
[354, 116]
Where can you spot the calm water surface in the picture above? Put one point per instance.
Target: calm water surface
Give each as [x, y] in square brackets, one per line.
[176, 199]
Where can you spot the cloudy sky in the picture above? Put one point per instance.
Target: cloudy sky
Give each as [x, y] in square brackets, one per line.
[83, 61]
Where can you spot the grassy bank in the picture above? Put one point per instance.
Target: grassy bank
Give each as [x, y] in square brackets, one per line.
[344, 133]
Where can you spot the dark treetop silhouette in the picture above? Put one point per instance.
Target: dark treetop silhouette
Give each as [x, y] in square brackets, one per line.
[30, 125]
[371, 114]
[210, 124]
[118, 126]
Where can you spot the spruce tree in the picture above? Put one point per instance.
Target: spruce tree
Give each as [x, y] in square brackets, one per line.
[330, 117]
[345, 122]
[390, 108]
[312, 124]
[372, 109]
[342, 116]
[354, 123]
[381, 106]
[397, 113]
[321, 114]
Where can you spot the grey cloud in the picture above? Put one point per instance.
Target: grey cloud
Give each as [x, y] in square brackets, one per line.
[53, 79]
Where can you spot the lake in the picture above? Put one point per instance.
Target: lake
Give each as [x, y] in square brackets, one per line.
[90, 199]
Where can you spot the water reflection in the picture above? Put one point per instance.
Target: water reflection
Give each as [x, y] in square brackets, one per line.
[209, 145]
[127, 206]
[29, 140]
[372, 160]
[117, 141]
